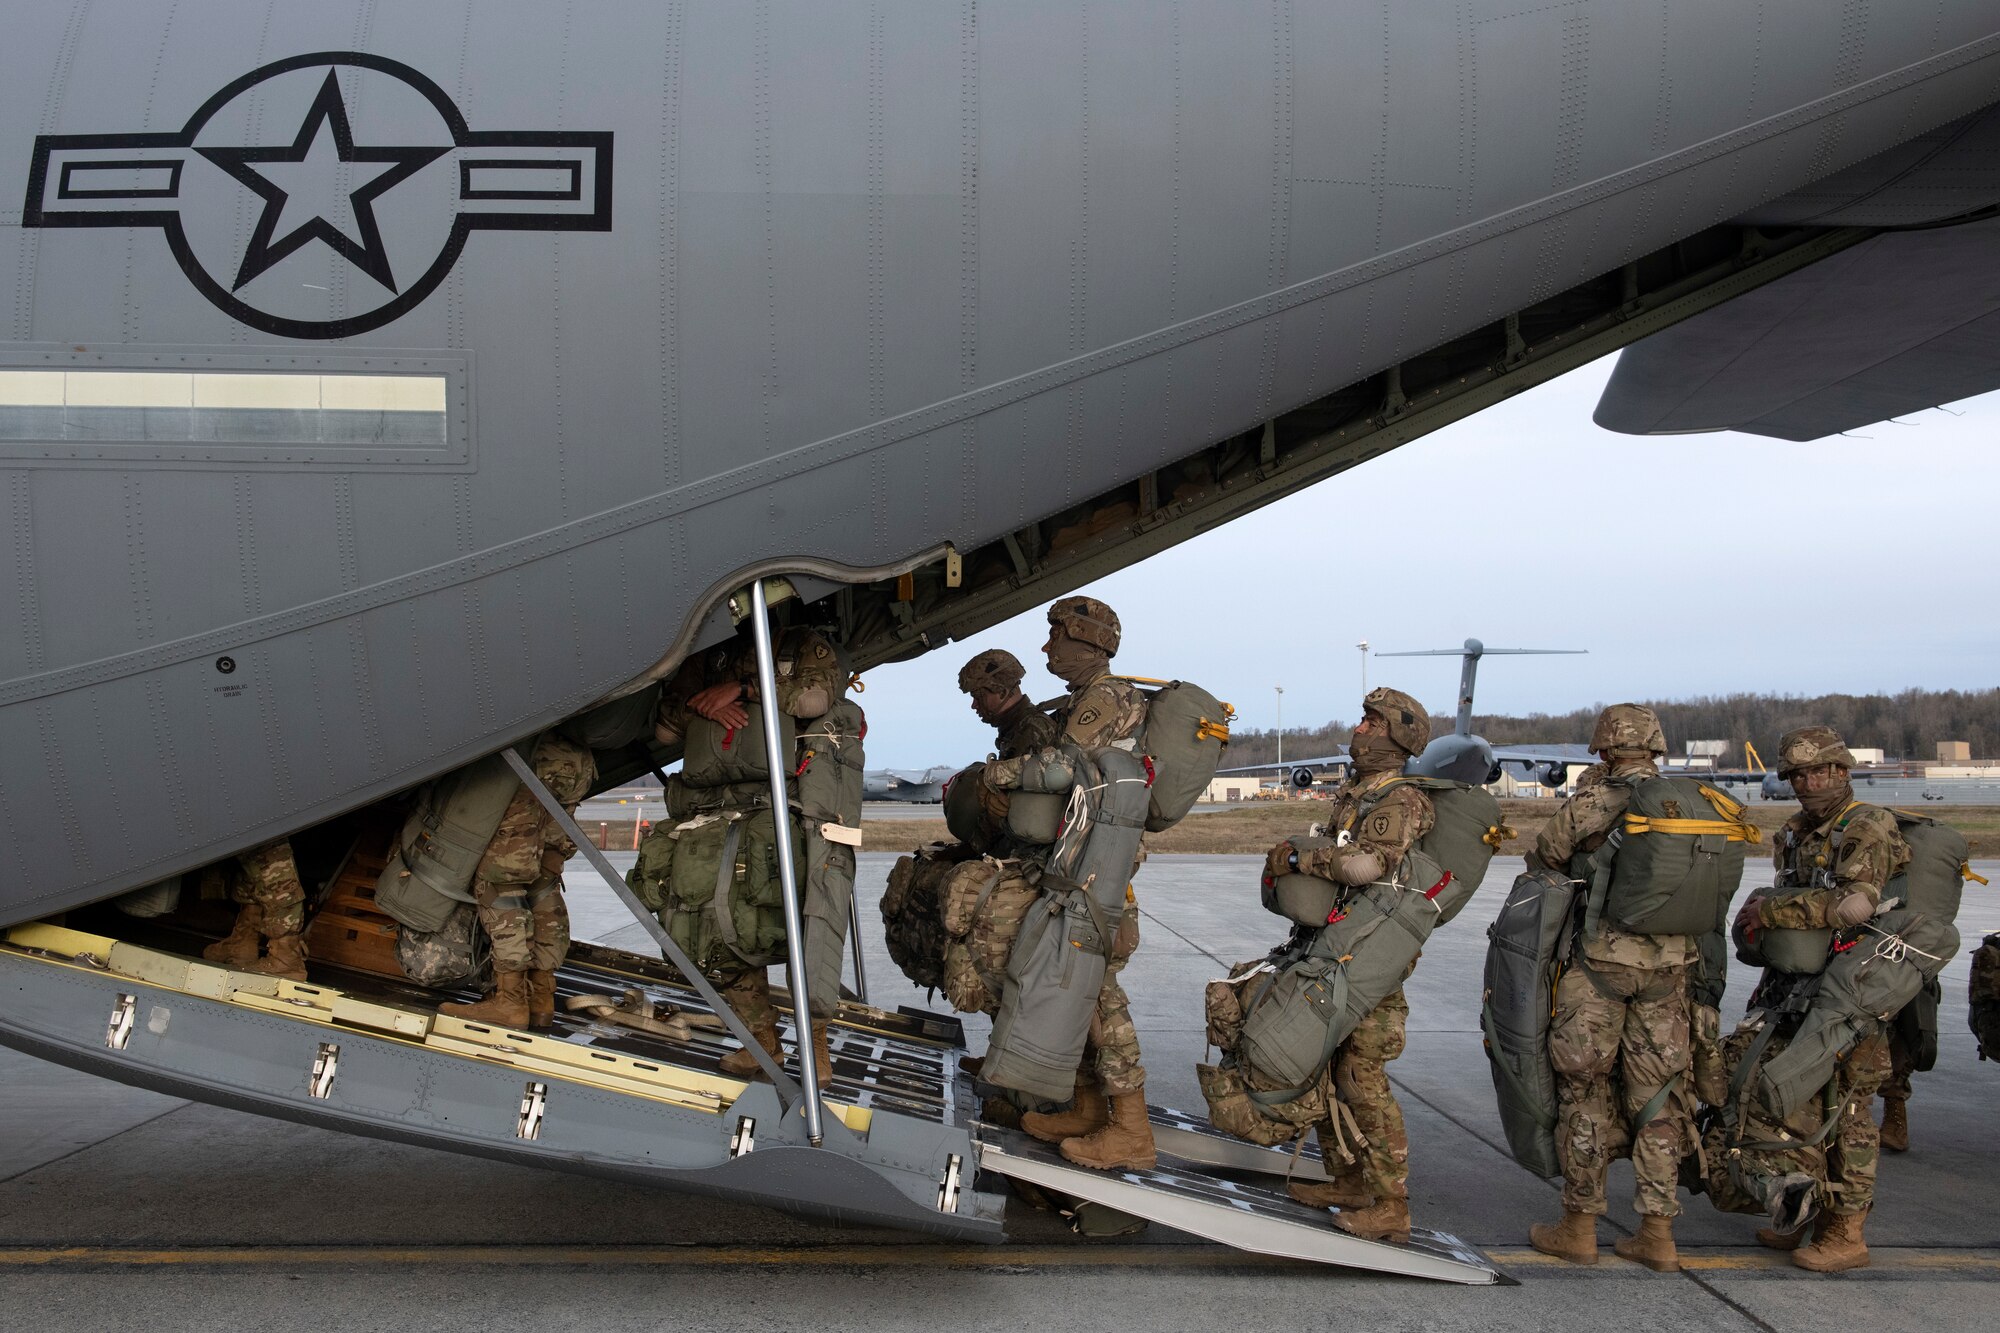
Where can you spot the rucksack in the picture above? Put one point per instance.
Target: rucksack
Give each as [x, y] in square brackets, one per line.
[1674, 861]
[1983, 992]
[442, 841]
[1058, 961]
[455, 954]
[1524, 955]
[1184, 735]
[1279, 1025]
[913, 911]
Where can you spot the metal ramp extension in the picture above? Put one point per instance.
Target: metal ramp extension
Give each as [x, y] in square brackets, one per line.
[1247, 1208]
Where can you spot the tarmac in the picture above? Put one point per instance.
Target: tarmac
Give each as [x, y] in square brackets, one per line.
[125, 1209]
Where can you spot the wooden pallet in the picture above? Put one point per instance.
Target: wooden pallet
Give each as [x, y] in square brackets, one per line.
[349, 930]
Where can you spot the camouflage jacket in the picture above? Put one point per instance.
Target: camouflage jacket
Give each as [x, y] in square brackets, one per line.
[1858, 850]
[1579, 827]
[806, 666]
[1024, 728]
[527, 834]
[1386, 825]
[1105, 711]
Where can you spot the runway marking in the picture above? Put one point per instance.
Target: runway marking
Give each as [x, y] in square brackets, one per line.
[998, 1258]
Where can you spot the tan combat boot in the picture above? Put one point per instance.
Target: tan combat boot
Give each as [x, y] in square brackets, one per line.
[1895, 1124]
[1088, 1112]
[742, 1064]
[284, 956]
[822, 1056]
[1343, 1191]
[999, 1111]
[541, 999]
[1125, 1142]
[1653, 1246]
[239, 947]
[1840, 1249]
[1388, 1219]
[1573, 1239]
[506, 1007]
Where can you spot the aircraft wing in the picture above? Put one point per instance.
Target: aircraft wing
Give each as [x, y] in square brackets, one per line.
[1317, 761]
[1536, 754]
[1907, 320]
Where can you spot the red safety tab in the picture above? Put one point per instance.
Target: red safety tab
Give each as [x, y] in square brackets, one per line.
[1147, 760]
[800, 771]
[1335, 915]
[1268, 881]
[1438, 887]
[1838, 947]
[727, 737]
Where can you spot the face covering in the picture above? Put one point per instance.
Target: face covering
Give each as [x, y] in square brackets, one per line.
[1074, 662]
[1375, 754]
[1821, 804]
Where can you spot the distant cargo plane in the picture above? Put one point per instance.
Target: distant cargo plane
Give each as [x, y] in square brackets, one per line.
[916, 785]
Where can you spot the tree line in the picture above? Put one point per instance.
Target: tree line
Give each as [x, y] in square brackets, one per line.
[1904, 726]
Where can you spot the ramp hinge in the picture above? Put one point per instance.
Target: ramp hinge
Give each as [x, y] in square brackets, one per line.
[325, 1065]
[534, 1105]
[119, 1030]
[745, 1137]
[948, 1187]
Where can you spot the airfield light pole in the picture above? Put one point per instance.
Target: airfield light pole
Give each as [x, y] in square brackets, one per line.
[788, 881]
[1363, 646]
[1284, 786]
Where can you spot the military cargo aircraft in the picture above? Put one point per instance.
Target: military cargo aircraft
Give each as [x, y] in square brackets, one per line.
[380, 385]
[916, 785]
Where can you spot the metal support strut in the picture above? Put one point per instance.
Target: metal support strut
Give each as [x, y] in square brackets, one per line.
[788, 1091]
[795, 921]
[854, 945]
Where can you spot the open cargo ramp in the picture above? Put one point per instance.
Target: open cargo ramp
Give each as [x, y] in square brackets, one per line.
[1251, 1213]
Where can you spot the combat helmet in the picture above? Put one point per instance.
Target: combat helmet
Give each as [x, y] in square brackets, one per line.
[995, 669]
[1803, 747]
[1628, 727]
[1087, 620]
[1408, 721]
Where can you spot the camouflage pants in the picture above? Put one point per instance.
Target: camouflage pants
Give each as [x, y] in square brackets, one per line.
[1845, 1164]
[749, 994]
[509, 924]
[1361, 1078]
[1902, 1064]
[548, 942]
[271, 880]
[1621, 1034]
[1113, 1043]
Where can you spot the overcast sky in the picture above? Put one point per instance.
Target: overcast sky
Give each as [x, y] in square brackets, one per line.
[1687, 565]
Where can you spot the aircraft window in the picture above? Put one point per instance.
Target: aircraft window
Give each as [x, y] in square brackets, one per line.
[227, 408]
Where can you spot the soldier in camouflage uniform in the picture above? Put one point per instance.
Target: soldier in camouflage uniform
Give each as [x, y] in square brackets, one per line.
[1844, 853]
[1106, 1126]
[517, 888]
[721, 685]
[265, 882]
[993, 679]
[1895, 1131]
[1376, 820]
[1621, 1042]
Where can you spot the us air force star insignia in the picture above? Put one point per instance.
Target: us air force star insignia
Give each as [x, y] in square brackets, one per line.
[323, 195]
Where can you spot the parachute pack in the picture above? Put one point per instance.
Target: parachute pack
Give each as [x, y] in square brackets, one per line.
[431, 867]
[1185, 733]
[1525, 953]
[1674, 861]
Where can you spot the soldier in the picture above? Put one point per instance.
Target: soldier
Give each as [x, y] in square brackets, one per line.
[1620, 1043]
[1376, 821]
[721, 686]
[517, 888]
[1840, 855]
[1895, 1130]
[265, 881]
[1106, 1126]
[993, 679]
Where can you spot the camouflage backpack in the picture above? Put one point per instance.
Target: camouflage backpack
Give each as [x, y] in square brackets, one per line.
[1984, 993]
[913, 911]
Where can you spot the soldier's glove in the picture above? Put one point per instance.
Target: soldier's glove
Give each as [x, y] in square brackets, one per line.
[1282, 860]
[1750, 920]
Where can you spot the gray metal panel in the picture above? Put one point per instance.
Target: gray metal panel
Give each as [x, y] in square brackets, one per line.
[1897, 324]
[877, 276]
